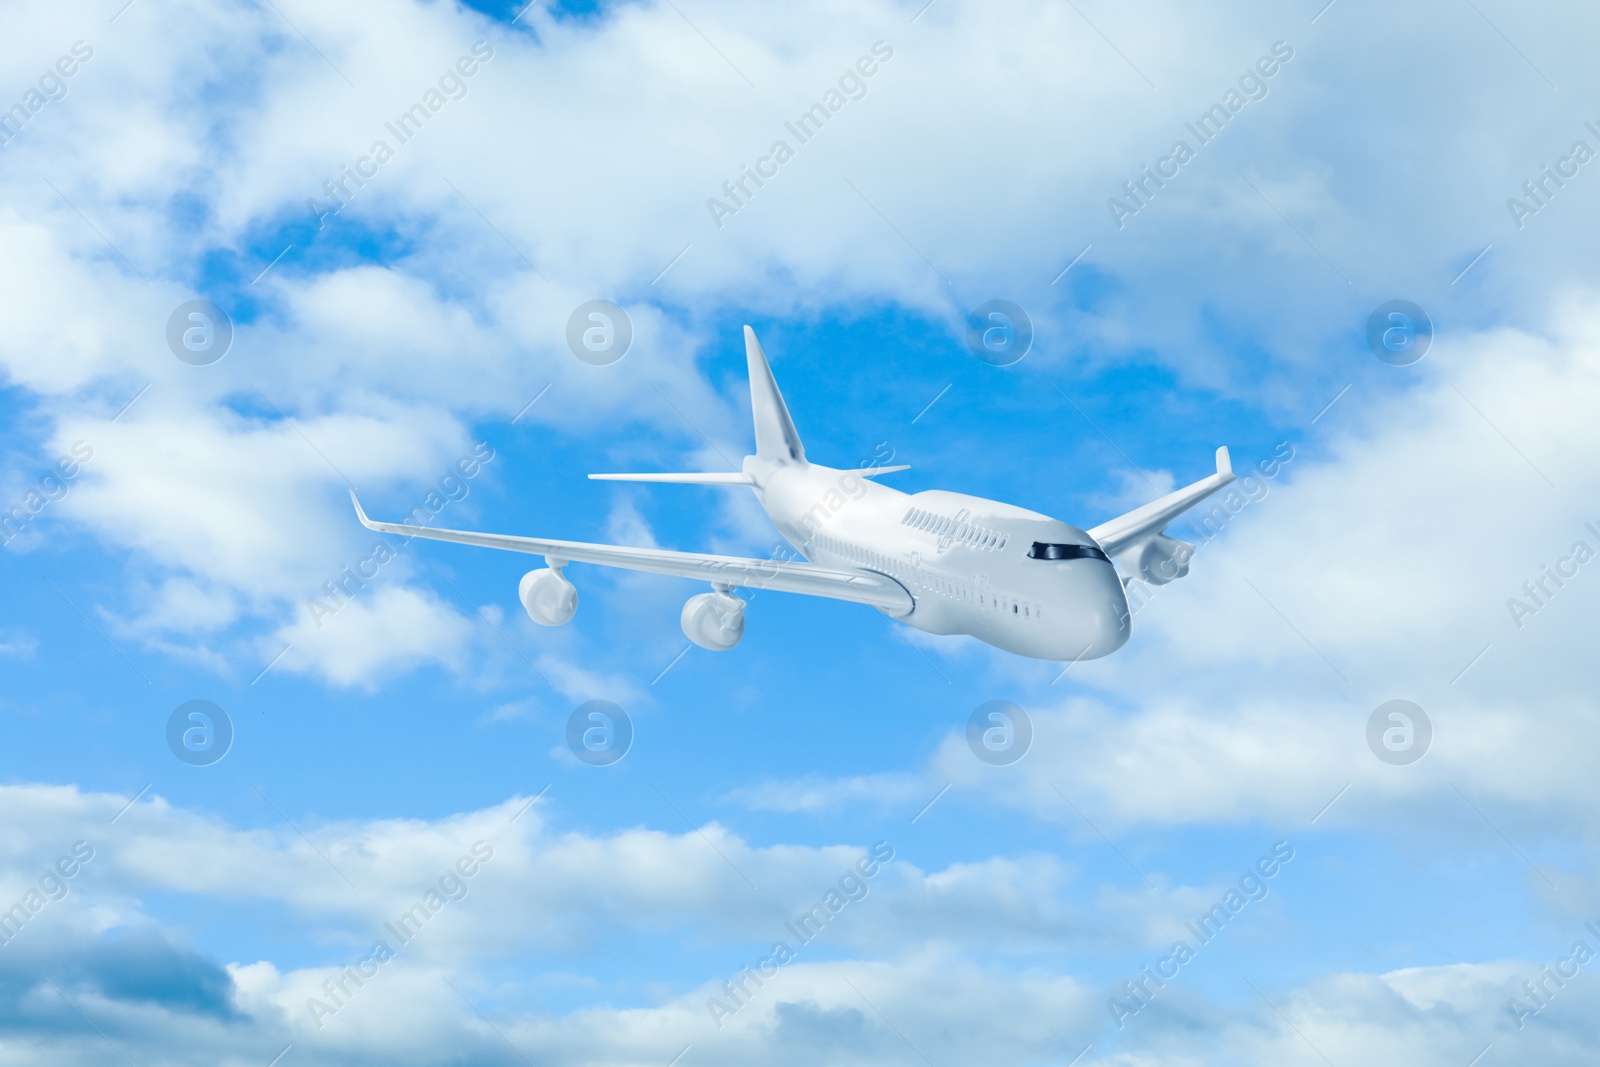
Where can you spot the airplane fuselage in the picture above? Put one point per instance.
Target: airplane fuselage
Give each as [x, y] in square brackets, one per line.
[1014, 578]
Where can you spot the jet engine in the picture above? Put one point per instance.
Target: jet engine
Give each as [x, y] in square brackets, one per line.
[714, 620]
[548, 597]
[1162, 558]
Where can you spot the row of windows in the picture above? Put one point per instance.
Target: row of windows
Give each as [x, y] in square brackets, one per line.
[957, 529]
[925, 581]
[856, 554]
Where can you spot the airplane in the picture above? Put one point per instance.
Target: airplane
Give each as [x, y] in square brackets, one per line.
[943, 562]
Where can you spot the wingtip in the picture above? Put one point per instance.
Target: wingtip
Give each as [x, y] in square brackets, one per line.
[360, 514]
[1224, 461]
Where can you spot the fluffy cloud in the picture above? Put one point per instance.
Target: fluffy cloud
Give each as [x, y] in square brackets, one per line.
[533, 889]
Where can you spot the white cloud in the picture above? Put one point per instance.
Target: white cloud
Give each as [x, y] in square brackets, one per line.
[547, 893]
[817, 794]
[387, 630]
[17, 644]
[559, 892]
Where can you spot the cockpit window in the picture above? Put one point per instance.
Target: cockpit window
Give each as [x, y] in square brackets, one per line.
[1044, 550]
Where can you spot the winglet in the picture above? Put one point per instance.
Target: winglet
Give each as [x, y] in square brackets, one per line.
[362, 515]
[1130, 530]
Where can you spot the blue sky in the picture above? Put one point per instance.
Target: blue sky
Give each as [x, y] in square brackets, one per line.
[379, 348]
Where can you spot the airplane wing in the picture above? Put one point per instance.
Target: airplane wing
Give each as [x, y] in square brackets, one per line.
[1126, 531]
[838, 583]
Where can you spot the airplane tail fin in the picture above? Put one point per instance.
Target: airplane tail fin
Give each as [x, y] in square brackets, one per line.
[776, 437]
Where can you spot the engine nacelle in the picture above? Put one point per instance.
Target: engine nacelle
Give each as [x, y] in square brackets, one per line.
[1163, 558]
[714, 620]
[547, 596]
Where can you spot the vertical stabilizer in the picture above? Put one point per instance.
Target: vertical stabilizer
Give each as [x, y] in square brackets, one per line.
[776, 438]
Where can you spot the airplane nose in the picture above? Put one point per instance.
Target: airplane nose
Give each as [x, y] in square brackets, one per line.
[1115, 621]
[1106, 622]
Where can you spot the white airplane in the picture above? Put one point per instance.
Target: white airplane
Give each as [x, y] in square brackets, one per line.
[943, 562]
